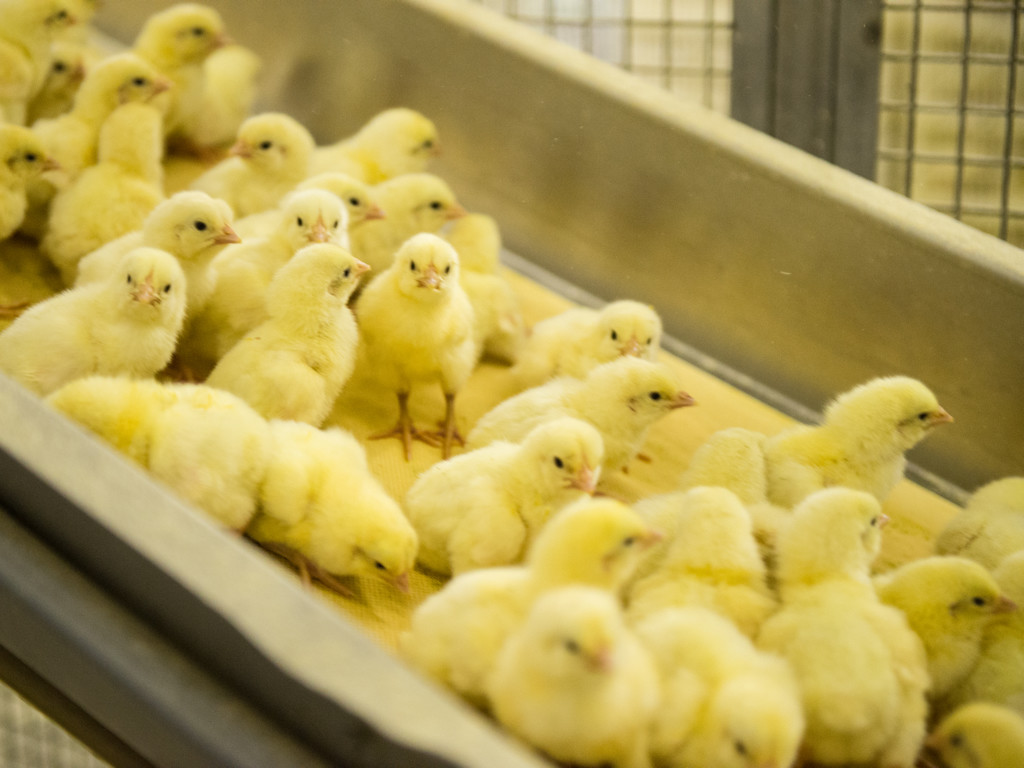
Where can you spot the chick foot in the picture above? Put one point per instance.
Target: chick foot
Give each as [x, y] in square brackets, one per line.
[308, 570]
[405, 430]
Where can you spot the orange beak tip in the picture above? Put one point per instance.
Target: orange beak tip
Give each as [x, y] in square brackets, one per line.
[402, 583]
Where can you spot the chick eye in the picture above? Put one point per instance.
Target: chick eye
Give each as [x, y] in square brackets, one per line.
[448, 269]
[629, 541]
[347, 272]
[139, 81]
[428, 143]
[979, 601]
[572, 646]
[31, 156]
[200, 225]
[874, 521]
[59, 66]
[923, 416]
[436, 205]
[167, 288]
[649, 340]
[266, 144]
[655, 395]
[956, 740]
[559, 463]
[615, 336]
[129, 279]
[741, 748]
[299, 221]
[198, 31]
[354, 201]
[379, 566]
[336, 224]
[412, 266]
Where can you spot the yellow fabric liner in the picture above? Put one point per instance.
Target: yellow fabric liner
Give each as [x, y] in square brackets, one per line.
[917, 515]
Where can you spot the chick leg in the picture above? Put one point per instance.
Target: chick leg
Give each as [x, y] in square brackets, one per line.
[449, 430]
[14, 310]
[298, 561]
[404, 428]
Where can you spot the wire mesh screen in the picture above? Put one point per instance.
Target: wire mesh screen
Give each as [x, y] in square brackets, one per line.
[952, 106]
[29, 740]
[684, 46]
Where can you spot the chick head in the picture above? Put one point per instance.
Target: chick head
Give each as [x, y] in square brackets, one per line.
[55, 14]
[319, 274]
[401, 140]
[715, 533]
[388, 558]
[117, 80]
[835, 532]
[649, 390]
[592, 541]
[567, 454]
[421, 201]
[183, 34]
[574, 633]
[478, 240]
[425, 267]
[894, 413]
[757, 722]
[355, 194]
[83, 10]
[627, 328]
[938, 590]
[149, 282]
[190, 223]
[1003, 495]
[978, 735]
[67, 67]
[22, 156]
[313, 216]
[273, 143]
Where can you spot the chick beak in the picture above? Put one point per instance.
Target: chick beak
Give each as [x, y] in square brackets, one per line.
[435, 149]
[431, 278]
[78, 73]
[319, 233]
[632, 348]
[221, 39]
[49, 164]
[455, 211]
[600, 660]
[883, 520]
[681, 400]
[375, 212]
[241, 149]
[146, 293]
[226, 236]
[652, 537]
[160, 85]
[360, 268]
[1004, 605]
[585, 480]
[935, 418]
[401, 583]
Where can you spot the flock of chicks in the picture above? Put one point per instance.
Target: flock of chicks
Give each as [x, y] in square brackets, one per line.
[734, 623]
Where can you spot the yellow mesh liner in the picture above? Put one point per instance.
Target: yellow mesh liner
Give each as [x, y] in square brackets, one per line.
[917, 515]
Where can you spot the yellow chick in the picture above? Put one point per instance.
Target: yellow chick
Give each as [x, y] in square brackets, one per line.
[413, 203]
[22, 158]
[861, 669]
[998, 676]
[229, 92]
[356, 195]
[623, 399]
[860, 444]
[126, 325]
[724, 704]
[949, 601]
[979, 735]
[176, 41]
[713, 562]
[417, 328]
[270, 157]
[394, 142]
[321, 502]
[574, 342]
[485, 507]
[574, 682]
[113, 197]
[68, 63]
[455, 634]
[293, 365]
[27, 30]
[990, 527]
[500, 330]
[208, 446]
[243, 272]
[191, 226]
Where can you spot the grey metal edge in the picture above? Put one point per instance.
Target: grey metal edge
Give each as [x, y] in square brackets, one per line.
[276, 649]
